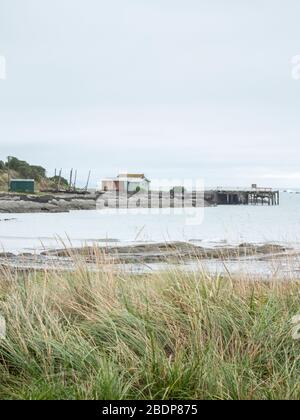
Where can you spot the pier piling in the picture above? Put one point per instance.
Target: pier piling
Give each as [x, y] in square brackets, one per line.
[254, 196]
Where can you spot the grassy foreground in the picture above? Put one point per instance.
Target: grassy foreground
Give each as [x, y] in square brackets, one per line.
[162, 336]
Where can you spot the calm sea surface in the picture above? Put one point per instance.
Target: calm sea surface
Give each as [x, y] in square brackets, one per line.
[217, 226]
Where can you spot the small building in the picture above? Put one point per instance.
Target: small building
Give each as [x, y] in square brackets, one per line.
[22, 185]
[127, 183]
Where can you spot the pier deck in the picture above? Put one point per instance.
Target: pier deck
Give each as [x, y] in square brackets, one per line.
[240, 196]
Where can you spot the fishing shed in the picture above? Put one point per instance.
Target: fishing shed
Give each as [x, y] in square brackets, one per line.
[126, 183]
[22, 185]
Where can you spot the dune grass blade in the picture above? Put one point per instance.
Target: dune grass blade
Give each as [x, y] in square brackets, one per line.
[169, 335]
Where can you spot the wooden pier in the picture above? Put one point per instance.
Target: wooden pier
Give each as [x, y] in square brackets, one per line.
[253, 196]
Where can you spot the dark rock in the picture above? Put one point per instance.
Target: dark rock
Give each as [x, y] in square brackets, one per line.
[6, 255]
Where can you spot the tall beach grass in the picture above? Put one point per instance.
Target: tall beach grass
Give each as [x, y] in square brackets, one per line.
[169, 335]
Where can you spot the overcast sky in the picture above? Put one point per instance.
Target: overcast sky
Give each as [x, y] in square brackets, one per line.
[173, 88]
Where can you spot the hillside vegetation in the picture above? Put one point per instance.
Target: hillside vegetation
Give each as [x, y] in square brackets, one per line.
[22, 169]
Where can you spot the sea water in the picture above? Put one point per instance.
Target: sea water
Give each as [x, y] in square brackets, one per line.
[212, 226]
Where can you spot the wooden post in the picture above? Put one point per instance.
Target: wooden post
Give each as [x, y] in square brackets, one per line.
[88, 181]
[59, 179]
[75, 180]
[8, 174]
[71, 177]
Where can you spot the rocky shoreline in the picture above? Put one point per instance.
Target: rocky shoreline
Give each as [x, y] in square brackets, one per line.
[150, 253]
[46, 203]
[65, 202]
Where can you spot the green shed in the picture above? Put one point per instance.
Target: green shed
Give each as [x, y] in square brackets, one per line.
[22, 185]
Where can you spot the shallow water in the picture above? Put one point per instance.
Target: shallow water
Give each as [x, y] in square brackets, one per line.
[220, 225]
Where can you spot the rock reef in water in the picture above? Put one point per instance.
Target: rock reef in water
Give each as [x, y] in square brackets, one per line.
[142, 254]
[174, 252]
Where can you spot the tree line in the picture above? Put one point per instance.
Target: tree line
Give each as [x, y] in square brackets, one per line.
[24, 169]
[36, 172]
